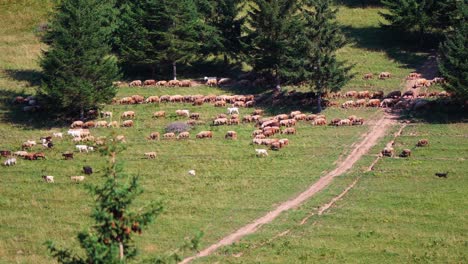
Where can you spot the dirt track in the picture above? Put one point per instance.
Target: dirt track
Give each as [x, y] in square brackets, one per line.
[362, 147]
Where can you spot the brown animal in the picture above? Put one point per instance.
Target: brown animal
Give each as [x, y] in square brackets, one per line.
[128, 114]
[152, 99]
[101, 124]
[231, 135]
[154, 136]
[185, 83]
[320, 122]
[183, 135]
[77, 124]
[169, 136]
[159, 114]
[373, 103]
[173, 83]
[422, 143]
[127, 123]
[385, 75]
[161, 83]
[220, 103]
[368, 76]
[351, 94]
[198, 102]
[405, 153]
[150, 155]
[195, 116]
[136, 83]
[363, 94]
[68, 155]
[289, 131]
[388, 152]
[220, 121]
[205, 134]
[149, 82]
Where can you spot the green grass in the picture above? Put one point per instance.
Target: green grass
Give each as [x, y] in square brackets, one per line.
[399, 213]
[231, 188]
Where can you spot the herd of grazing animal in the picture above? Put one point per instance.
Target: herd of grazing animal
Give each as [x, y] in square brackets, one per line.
[389, 151]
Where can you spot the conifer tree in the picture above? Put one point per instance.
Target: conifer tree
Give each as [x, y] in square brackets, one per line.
[109, 240]
[78, 69]
[453, 63]
[226, 20]
[271, 30]
[318, 42]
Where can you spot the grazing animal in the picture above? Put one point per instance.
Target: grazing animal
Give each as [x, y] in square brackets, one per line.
[150, 155]
[441, 174]
[10, 162]
[183, 135]
[82, 148]
[368, 76]
[388, 152]
[21, 153]
[159, 114]
[320, 122]
[405, 153]
[231, 135]
[77, 124]
[153, 99]
[289, 131]
[211, 81]
[128, 114]
[48, 179]
[127, 123]
[347, 104]
[385, 75]
[373, 103]
[173, 83]
[101, 124]
[205, 134]
[161, 83]
[77, 178]
[135, 83]
[67, 155]
[5, 153]
[195, 116]
[58, 134]
[185, 83]
[422, 143]
[169, 135]
[185, 113]
[87, 170]
[113, 124]
[149, 82]
[154, 136]
[233, 110]
[261, 152]
[191, 172]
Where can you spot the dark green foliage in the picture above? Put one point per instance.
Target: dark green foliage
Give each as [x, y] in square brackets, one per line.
[77, 67]
[160, 33]
[225, 19]
[453, 63]
[321, 37]
[421, 16]
[109, 240]
[271, 29]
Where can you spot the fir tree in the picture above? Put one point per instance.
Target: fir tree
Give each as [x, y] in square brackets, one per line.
[226, 20]
[271, 30]
[453, 63]
[77, 67]
[318, 42]
[109, 240]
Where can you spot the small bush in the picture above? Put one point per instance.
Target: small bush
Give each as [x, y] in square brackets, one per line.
[177, 127]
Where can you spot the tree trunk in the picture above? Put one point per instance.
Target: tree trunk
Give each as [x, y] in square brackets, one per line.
[278, 81]
[225, 60]
[319, 102]
[153, 71]
[174, 70]
[121, 251]
[81, 113]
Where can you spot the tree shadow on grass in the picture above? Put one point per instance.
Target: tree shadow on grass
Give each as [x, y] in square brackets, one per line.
[14, 114]
[33, 77]
[442, 111]
[359, 3]
[402, 47]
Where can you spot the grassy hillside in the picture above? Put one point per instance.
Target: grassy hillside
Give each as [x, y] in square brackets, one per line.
[399, 213]
[232, 186]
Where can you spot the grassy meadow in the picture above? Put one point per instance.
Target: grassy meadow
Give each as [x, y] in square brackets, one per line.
[398, 213]
[232, 186]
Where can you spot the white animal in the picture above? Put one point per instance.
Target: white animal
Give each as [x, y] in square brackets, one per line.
[191, 172]
[90, 148]
[10, 162]
[82, 148]
[77, 178]
[233, 110]
[48, 179]
[20, 153]
[261, 152]
[58, 134]
[74, 132]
